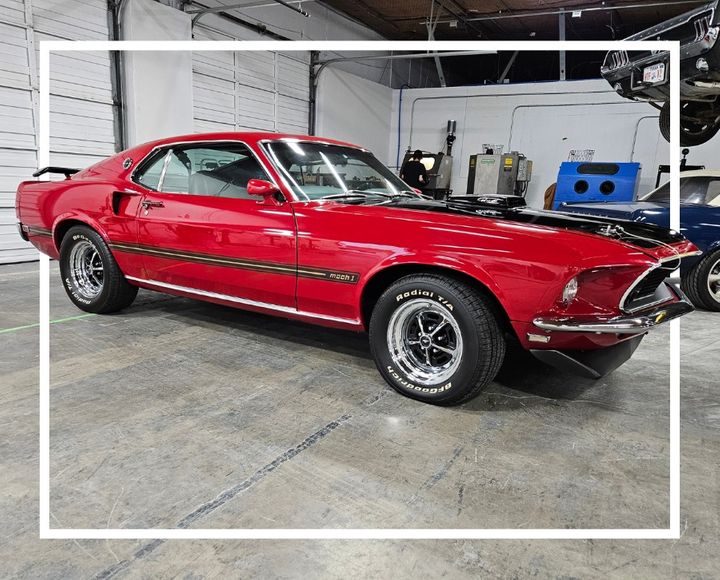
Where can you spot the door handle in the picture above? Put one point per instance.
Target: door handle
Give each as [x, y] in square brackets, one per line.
[148, 204]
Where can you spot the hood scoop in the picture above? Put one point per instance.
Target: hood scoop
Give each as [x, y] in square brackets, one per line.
[485, 205]
[488, 201]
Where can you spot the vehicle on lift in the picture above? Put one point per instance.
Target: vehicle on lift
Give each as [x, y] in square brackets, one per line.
[644, 76]
[321, 231]
[699, 221]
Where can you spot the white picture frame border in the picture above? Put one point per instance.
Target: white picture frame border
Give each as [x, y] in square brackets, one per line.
[670, 533]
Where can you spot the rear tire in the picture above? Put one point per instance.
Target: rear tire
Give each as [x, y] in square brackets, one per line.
[436, 339]
[702, 282]
[691, 133]
[91, 277]
[665, 121]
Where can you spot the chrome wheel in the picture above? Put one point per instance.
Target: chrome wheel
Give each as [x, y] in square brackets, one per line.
[425, 341]
[86, 269]
[713, 281]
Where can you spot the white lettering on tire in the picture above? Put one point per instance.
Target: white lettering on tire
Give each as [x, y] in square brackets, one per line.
[425, 294]
[408, 385]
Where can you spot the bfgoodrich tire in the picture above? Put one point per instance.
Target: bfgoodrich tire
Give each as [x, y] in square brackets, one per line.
[91, 277]
[436, 339]
[702, 282]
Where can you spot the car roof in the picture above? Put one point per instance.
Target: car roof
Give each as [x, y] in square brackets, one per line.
[245, 136]
[701, 173]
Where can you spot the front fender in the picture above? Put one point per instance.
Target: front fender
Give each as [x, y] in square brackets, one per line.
[452, 264]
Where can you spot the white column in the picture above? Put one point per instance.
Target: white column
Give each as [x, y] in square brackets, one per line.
[157, 88]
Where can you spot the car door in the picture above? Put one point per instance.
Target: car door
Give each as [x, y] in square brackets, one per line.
[198, 229]
[701, 218]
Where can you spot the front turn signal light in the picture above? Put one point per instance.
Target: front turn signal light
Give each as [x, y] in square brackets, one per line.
[570, 291]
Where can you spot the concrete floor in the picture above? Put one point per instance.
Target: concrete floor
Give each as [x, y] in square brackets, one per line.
[180, 413]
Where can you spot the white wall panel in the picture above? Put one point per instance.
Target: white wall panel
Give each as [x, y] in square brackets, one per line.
[81, 116]
[213, 86]
[237, 91]
[343, 99]
[542, 120]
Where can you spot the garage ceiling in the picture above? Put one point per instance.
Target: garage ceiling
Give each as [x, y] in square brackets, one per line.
[510, 19]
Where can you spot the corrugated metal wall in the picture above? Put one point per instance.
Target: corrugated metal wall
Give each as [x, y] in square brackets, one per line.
[81, 120]
[240, 91]
[232, 91]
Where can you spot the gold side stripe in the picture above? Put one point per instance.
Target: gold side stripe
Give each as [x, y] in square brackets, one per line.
[304, 271]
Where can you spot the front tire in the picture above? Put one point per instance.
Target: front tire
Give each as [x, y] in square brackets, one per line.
[91, 277]
[702, 282]
[436, 339]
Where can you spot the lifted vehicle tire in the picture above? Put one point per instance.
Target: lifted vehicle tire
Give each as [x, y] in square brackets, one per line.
[691, 133]
[91, 277]
[436, 339]
[702, 282]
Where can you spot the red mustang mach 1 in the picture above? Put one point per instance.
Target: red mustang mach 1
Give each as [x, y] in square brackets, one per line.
[319, 230]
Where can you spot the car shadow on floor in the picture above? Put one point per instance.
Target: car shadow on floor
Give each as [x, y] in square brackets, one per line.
[522, 381]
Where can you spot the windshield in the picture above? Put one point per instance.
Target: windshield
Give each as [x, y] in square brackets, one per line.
[693, 190]
[317, 170]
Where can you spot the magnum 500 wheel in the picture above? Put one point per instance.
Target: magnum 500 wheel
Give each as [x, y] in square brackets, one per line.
[436, 339]
[91, 277]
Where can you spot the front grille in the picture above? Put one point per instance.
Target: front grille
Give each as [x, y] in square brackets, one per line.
[649, 290]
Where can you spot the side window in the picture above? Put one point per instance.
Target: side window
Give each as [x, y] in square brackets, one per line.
[149, 176]
[177, 173]
[712, 197]
[221, 170]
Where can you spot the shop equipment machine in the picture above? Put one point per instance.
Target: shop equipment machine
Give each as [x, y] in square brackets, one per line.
[596, 181]
[438, 165]
[496, 173]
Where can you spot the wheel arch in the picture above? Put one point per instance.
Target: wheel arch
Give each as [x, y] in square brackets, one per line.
[382, 279]
[64, 223]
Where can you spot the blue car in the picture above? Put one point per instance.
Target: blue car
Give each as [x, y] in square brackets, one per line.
[699, 222]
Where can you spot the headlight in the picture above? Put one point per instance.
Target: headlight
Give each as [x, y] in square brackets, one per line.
[570, 291]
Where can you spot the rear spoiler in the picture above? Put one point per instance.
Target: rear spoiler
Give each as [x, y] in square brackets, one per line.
[66, 171]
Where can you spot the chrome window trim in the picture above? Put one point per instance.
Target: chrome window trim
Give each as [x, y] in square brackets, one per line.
[246, 301]
[281, 170]
[163, 171]
[170, 146]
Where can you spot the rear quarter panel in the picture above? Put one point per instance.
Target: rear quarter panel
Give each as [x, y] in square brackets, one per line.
[54, 205]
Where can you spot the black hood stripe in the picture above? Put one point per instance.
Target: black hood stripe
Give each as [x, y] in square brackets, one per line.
[643, 235]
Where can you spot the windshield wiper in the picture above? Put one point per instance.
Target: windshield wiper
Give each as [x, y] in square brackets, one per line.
[364, 194]
[357, 193]
[346, 195]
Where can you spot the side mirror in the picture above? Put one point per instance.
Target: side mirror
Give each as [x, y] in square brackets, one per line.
[264, 189]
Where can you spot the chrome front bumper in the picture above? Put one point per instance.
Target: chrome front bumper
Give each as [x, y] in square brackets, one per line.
[636, 324]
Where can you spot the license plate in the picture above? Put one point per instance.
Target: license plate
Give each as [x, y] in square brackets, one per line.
[654, 74]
